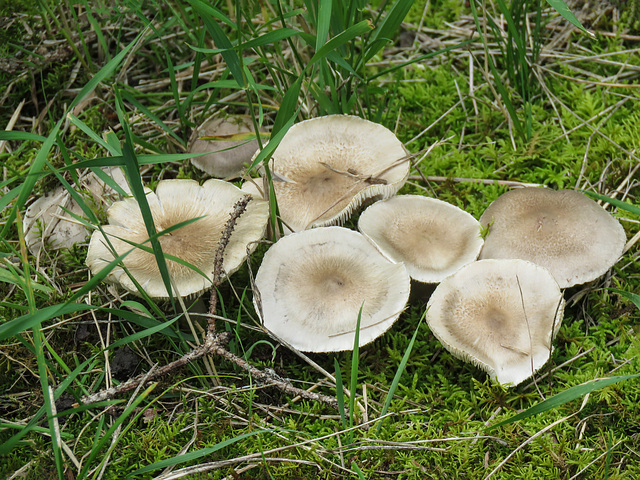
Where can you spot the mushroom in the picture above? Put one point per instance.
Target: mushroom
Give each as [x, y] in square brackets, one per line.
[500, 315]
[324, 168]
[564, 231]
[228, 155]
[431, 237]
[177, 201]
[47, 222]
[312, 285]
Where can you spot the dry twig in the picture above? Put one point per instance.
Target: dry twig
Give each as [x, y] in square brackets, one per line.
[215, 343]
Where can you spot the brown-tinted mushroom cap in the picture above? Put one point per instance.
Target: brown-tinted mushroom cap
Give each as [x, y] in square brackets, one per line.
[227, 157]
[327, 166]
[173, 202]
[564, 231]
[431, 237]
[313, 283]
[500, 315]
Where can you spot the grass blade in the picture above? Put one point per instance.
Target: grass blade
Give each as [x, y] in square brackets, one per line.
[341, 39]
[221, 40]
[187, 457]
[398, 375]
[355, 364]
[387, 30]
[564, 397]
[628, 295]
[635, 209]
[563, 9]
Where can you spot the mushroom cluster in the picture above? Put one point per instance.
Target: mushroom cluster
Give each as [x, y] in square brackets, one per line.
[503, 311]
[498, 304]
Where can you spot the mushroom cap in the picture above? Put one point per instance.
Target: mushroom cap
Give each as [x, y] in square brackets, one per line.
[564, 231]
[228, 156]
[327, 166]
[500, 315]
[431, 237]
[313, 283]
[173, 202]
[45, 221]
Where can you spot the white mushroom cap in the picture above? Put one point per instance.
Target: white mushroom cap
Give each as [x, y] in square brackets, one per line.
[500, 315]
[564, 231]
[228, 156]
[324, 168]
[176, 201]
[313, 283]
[45, 221]
[431, 237]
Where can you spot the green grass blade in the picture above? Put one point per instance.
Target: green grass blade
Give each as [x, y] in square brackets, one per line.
[340, 39]
[5, 135]
[91, 134]
[8, 197]
[628, 295]
[355, 364]
[356, 469]
[221, 40]
[388, 28]
[564, 397]
[187, 457]
[635, 209]
[398, 375]
[323, 23]
[289, 106]
[17, 325]
[144, 333]
[132, 171]
[563, 9]
[269, 38]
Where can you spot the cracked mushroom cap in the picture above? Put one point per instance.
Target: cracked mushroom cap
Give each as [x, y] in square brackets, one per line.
[564, 231]
[173, 202]
[431, 237]
[325, 167]
[500, 315]
[227, 157]
[312, 284]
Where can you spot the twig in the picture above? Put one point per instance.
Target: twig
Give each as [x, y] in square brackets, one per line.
[506, 183]
[215, 343]
[218, 271]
